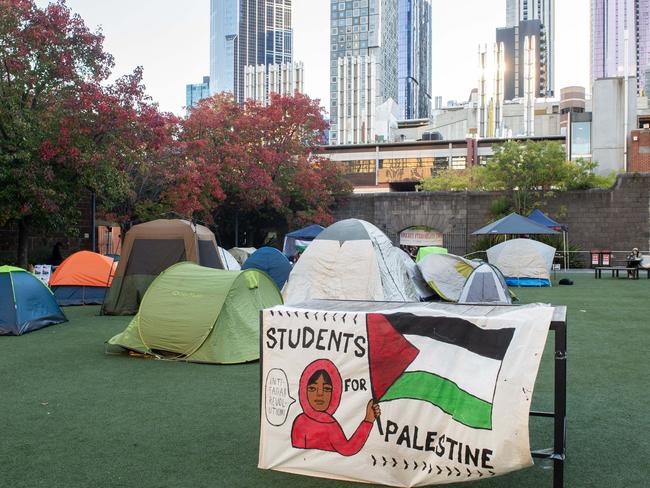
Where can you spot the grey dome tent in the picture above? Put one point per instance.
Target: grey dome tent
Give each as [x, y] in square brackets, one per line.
[486, 284]
[350, 260]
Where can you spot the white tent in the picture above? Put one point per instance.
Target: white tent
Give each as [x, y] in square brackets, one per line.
[241, 254]
[486, 284]
[524, 262]
[350, 260]
[229, 261]
[645, 261]
[423, 290]
[446, 274]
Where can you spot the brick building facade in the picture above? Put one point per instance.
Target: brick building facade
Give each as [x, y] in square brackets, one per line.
[640, 150]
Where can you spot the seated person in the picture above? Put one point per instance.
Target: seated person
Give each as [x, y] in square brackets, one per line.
[634, 258]
[633, 261]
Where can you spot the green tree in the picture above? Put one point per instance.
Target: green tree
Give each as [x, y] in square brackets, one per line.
[581, 176]
[527, 170]
[470, 179]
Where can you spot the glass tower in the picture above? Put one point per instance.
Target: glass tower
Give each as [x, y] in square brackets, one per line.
[196, 92]
[363, 61]
[609, 20]
[244, 33]
[414, 40]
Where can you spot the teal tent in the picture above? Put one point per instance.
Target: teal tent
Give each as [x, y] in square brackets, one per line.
[26, 303]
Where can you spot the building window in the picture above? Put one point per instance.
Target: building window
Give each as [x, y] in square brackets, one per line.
[459, 162]
[359, 166]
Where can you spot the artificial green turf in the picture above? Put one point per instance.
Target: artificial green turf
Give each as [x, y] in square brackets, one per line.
[74, 416]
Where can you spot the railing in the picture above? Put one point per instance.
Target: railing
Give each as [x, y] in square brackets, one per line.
[576, 259]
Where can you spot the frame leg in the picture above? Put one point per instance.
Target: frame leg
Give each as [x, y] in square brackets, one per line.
[559, 431]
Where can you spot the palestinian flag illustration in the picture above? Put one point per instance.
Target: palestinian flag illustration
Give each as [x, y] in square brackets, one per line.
[446, 361]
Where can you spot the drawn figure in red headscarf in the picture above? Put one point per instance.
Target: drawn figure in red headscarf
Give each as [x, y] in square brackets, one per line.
[316, 428]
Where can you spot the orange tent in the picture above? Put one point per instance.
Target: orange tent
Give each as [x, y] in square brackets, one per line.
[82, 278]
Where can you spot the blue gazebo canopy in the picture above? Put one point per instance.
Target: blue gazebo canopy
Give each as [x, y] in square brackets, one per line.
[514, 224]
[302, 236]
[310, 232]
[543, 219]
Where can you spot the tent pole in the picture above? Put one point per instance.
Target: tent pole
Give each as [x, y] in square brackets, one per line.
[236, 228]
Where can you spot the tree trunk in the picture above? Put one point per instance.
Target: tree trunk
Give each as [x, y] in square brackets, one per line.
[23, 243]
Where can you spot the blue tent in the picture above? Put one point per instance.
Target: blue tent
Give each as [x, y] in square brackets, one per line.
[543, 219]
[272, 262]
[304, 236]
[26, 303]
[514, 224]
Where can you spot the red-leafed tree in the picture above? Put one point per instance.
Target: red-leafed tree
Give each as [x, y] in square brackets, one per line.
[254, 165]
[63, 130]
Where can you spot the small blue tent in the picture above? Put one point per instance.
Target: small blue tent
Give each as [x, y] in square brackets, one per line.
[272, 262]
[26, 303]
[300, 237]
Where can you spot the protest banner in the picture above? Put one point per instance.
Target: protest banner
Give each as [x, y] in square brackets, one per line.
[407, 395]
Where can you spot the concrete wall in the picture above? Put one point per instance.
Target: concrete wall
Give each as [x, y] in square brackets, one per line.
[608, 124]
[616, 219]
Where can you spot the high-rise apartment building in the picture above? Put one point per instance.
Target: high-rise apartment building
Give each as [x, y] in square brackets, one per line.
[244, 33]
[519, 50]
[544, 11]
[196, 92]
[363, 66]
[284, 79]
[609, 21]
[414, 27]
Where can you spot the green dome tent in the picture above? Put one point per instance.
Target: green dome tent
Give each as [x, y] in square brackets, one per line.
[425, 251]
[201, 314]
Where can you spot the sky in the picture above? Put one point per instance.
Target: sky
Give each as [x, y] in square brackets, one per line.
[170, 39]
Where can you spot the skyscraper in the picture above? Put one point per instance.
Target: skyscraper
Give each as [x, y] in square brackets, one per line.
[515, 45]
[363, 66]
[609, 20]
[414, 40]
[543, 10]
[284, 79]
[196, 92]
[244, 33]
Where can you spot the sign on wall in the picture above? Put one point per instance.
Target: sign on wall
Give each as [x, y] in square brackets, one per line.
[420, 236]
[409, 396]
[43, 272]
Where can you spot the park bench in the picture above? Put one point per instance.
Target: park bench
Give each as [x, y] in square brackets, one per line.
[641, 270]
[632, 272]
